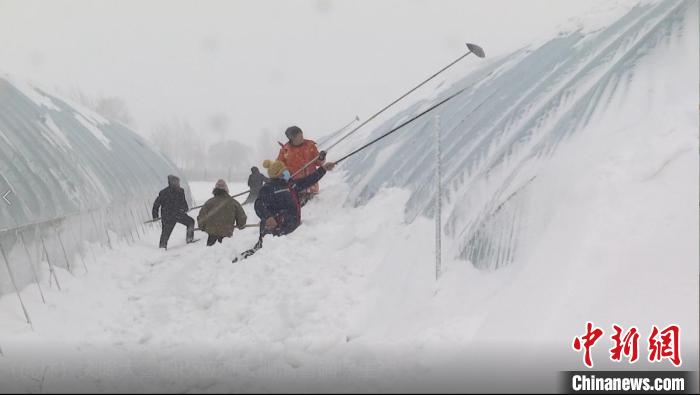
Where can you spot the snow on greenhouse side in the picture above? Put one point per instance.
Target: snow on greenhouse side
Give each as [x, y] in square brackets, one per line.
[56, 136]
[32, 93]
[99, 135]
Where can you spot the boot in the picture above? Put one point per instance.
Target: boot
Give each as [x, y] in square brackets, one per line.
[304, 198]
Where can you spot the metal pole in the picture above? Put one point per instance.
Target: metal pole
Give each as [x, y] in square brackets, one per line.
[14, 284]
[438, 200]
[109, 241]
[147, 216]
[138, 223]
[131, 230]
[31, 265]
[475, 49]
[116, 231]
[125, 225]
[399, 99]
[144, 230]
[82, 244]
[82, 259]
[48, 260]
[114, 221]
[94, 223]
[65, 255]
[149, 213]
[357, 118]
[135, 223]
[431, 108]
[247, 191]
[472, 49]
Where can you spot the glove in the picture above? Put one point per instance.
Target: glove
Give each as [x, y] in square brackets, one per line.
[322, 156]
[328, 166]
[270, 223]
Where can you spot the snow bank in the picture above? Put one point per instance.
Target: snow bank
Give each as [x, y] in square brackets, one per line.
[348, 302]
[188, 319]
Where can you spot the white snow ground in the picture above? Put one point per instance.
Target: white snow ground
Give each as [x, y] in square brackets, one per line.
[349, 303]
[296, 309]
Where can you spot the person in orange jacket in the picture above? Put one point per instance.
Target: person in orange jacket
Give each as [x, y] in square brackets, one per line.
[296, 153]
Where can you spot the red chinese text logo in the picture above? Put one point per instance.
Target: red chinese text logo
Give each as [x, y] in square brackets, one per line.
[663, 344]
[627, 345]
[587, 341]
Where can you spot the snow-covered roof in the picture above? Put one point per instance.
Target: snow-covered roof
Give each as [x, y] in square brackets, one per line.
[518, 111]
[58, 158]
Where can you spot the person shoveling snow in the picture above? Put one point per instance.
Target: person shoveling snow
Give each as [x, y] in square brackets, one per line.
[221, 214]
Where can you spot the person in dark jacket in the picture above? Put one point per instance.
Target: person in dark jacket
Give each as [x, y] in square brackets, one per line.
[255, 182]
[173, 209]
[277, 204]
[220, 215]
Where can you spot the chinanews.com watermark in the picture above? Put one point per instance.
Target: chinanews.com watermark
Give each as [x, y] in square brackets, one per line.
[662, 347]
[627, 382]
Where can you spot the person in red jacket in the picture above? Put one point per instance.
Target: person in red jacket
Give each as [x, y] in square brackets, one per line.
[295, 154]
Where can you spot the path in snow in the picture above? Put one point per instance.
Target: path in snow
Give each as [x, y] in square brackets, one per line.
[349, 302]
[288, 313]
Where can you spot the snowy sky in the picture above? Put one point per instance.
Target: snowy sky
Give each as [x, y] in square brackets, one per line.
[235, 68]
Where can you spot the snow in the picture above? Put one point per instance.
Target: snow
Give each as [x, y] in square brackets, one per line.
[58, 163]
[287, 313]
[56, 136]
[89, 125]
[32, 93]
[282, 309]
[516, 113]
[5, 140]
[351, 303]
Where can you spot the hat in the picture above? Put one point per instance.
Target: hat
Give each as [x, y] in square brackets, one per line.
[221, 184]
[173, 180]
[274, 168]
[292, 131]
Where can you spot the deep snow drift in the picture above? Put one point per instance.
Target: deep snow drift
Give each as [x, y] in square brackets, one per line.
[300, 312]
